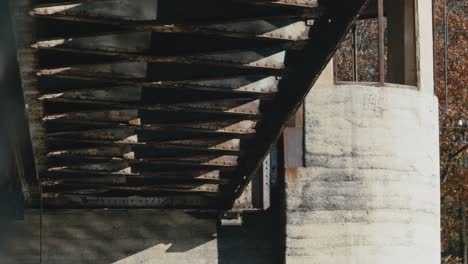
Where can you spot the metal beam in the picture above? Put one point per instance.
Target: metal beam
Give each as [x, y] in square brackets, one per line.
[182, 201]
[269, 58]
[277, 28]
[240, 129]
[381, 32]
[305, 70]
[247, 110]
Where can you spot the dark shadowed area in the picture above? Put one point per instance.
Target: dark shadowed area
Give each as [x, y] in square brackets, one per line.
[15, 148]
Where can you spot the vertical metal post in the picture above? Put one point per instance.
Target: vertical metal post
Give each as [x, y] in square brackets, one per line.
[335, 69]
[434, 43]
[381, 43]
[446, 43]
[355, 55]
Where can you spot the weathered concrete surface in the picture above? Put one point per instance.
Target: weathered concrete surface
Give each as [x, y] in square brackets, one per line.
[370, 192]
[138, 236]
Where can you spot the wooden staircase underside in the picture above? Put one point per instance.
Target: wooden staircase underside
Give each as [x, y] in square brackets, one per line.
[177, 102]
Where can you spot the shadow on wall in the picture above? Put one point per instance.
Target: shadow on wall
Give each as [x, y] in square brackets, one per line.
[261, 238]
[138, 236]
[258, 241]
[145, 236]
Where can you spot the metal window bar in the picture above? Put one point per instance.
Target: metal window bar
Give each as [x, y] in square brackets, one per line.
[381, 48]
[447, 11]
[355, 54]
[381, 43]
[354, 58]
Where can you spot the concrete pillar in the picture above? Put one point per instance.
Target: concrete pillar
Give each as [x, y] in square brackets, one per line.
[424, 46]
[369, 192]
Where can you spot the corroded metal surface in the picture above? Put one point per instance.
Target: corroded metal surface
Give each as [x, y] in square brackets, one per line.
[156, 99]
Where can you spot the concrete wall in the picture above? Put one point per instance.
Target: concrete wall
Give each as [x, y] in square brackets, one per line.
[370, 192]
[138, 236]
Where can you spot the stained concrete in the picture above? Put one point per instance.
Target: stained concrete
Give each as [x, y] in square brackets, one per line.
[370, 189]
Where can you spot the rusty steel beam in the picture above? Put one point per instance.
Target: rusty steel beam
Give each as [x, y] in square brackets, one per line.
[210, 145]
[215, 161]
[306, 9]
[180, 201]
[254, 91]
[313, 4]
[296, 30]
[142, 149]
[125, 152]
[60, 188]
[242, 84]
[64, 2]
[110, 130]
[249, 110]
[64, 13]
[305, 70]
[213, 176]
[252, 58]
[119, 123]
[286, 3]
[77, 74]
[294, 3]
